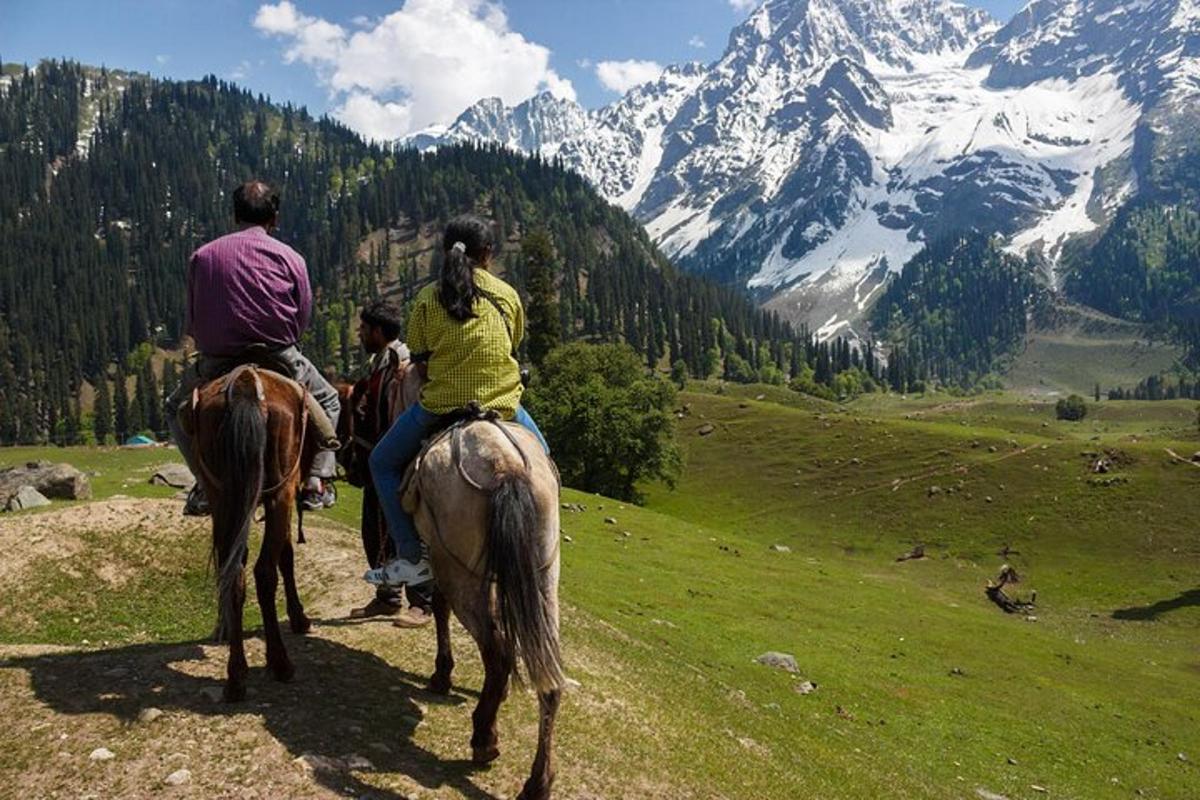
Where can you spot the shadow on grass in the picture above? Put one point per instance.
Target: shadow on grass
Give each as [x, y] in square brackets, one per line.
[341, 702]
[1188, 599]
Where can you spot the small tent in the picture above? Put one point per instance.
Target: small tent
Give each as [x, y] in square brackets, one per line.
[139, 441]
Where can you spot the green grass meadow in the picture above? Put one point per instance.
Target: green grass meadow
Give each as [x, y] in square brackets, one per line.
[923, 687]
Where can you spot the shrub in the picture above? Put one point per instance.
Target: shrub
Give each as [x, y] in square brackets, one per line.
[608, 419]
[1072, 409]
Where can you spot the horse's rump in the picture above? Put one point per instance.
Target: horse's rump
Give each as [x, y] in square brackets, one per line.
[453, 489]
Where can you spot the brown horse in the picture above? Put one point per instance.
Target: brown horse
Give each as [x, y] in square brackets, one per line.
[253, 445]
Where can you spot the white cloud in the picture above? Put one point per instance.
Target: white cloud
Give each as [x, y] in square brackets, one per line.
[621, 76]
[418, 66]
[743, 5]
[697, 43]
[240, 71]
[162, 58]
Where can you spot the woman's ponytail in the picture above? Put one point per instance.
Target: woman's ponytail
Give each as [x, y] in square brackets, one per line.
[468, 244]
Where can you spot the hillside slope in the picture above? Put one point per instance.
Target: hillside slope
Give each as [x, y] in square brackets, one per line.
[923, 688]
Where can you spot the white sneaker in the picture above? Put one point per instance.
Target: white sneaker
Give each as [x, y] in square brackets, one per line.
[400, 572]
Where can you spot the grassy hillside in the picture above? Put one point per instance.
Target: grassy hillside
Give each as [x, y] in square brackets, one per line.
[924, 689]
[1076, 347]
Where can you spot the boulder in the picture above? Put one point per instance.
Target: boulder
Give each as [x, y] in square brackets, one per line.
[57, 481]
[706, 429]
[26, 497]
[1196, 457]
[783, 661]
[177, 476]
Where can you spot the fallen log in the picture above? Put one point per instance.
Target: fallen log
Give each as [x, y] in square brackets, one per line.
[1010, 605]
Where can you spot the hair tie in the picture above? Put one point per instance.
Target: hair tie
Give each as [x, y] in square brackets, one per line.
[459, 247]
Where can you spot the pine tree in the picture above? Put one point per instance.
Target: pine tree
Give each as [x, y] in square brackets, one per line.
[137, 407]
[102, 411]
[120, 406]
[542, 319]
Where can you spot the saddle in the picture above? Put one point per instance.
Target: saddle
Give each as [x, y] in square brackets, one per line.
[255, 357]
[452, 426]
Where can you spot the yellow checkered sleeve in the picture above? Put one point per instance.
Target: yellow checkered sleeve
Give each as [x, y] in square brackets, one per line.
[470, 360]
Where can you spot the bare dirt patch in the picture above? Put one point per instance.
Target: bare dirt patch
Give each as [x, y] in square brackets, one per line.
[356, 720]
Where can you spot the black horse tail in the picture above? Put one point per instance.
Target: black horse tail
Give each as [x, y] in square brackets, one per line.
[528, 627]
[241, 443]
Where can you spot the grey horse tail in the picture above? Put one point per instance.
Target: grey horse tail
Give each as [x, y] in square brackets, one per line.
[241, 442]
[514, 559]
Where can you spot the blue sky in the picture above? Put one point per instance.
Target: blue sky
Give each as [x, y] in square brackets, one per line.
[375, 63]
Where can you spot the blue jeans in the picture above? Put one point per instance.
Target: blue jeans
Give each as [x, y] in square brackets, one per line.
[390, 459]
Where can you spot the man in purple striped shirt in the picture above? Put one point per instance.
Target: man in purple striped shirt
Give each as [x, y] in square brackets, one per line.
[249, 289]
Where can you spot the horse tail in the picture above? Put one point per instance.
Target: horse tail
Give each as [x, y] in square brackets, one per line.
[241, 443]
[527, 623]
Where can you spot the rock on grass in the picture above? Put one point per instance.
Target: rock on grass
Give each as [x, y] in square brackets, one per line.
[783, 661]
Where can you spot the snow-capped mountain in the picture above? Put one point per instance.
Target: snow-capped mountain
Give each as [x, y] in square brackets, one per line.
[835, 138]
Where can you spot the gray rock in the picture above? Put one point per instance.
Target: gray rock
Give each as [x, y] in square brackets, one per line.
[610, 520]
[1196, 457]
[102, 754]
[355, 761]
[706, 429]
[781, 548]
[148, 715]
[56, 481]
[177, 476]
[805, 687]
[178, 778]
[783, 661]
[26, 497]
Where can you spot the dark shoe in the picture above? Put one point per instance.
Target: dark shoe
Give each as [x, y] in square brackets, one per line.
[378, 608]
[317, 499]
[197, 503]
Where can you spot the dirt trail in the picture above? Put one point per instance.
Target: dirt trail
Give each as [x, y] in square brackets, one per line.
[356, 720]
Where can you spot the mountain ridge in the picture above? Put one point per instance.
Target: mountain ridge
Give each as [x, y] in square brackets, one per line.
[834, 140]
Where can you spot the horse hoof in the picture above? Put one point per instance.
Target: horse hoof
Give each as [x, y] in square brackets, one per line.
[300, 625]
[534, 793]
[234, 694]
[285, 673]
[485, 755]
[439, 684]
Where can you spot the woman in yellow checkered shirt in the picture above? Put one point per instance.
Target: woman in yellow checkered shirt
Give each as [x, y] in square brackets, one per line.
[467, 327]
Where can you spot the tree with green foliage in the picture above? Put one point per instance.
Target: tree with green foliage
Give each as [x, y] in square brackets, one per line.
[679, 373]
[607, 418]
[102, 411]
[542, 323]
[120, 406]
[136, 420]
[1071, 409]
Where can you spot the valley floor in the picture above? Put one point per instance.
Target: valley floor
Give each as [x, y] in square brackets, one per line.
[782, 535]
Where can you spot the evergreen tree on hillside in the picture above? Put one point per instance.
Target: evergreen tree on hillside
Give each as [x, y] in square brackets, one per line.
[136, 421]
[542, 322]
[120, 406]
[102, 422]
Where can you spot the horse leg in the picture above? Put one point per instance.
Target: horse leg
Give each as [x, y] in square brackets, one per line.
[266, 581]
[440, 682]
[231, 625]
[287, 568]
[497, 667]
[541, 777]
